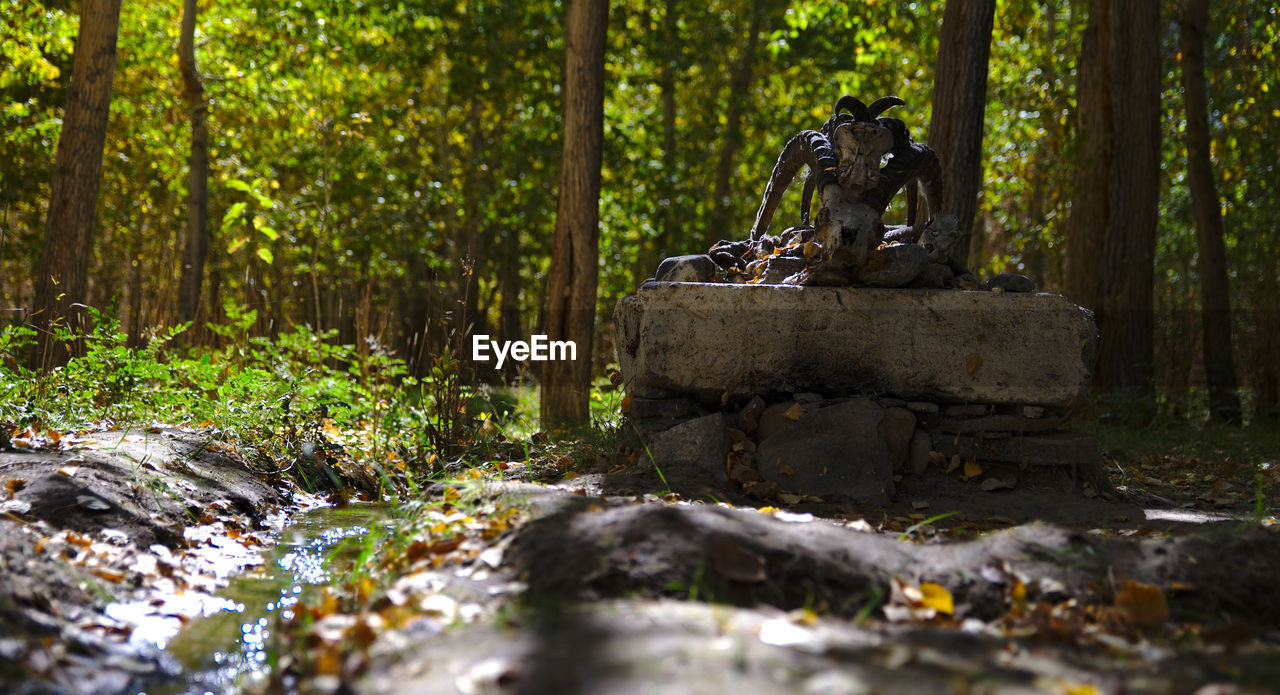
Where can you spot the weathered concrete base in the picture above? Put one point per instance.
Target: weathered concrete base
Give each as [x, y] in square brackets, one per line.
[711, 340]
[854, 449]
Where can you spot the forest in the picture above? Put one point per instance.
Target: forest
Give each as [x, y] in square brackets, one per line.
[358, 159]
[245, 246]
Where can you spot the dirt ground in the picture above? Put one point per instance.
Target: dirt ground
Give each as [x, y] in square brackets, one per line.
[101, 518]
[613, 583]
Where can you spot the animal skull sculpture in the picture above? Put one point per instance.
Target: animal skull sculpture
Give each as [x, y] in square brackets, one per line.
[860, 147]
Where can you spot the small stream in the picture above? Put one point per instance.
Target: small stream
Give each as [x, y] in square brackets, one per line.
[232, 649]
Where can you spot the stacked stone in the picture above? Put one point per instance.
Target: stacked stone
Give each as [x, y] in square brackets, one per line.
[838, 393]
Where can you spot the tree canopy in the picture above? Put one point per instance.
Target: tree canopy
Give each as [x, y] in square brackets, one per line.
[360, 153]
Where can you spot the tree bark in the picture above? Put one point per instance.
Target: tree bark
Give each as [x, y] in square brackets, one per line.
[573, 276]
[740, 78]
[198, 241]
[959, 105]
[1224, 403]
[1112, 231]
[1126, 348]
[62, 277]
[1095, 130]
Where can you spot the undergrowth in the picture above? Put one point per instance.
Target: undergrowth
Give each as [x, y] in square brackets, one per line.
[332, 417]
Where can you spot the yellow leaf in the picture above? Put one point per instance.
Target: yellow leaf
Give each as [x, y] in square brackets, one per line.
[1018, 596]
[972, 363]
[972, 469]
[937, 597]
[569, 476]
[1081, 689]
[767, 510]
[795, 412]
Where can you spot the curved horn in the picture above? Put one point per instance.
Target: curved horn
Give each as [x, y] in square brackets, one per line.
[855, 106]
[883, 104]
[809, 148]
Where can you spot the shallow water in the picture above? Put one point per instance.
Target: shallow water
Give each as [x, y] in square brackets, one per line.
[231, 649]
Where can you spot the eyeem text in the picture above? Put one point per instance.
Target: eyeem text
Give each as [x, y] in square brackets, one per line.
[538, 349]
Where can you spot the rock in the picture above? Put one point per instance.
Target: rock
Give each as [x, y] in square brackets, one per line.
[693, 268]
[779, 268]
[1000, 423]
[1032, 411]
[837, 449]
[1047, 449]
[692, 453]
[1010, 282]
[777, 417]
[935, 276]
[921, 444]
[750, 415]
[966, 410]
[922, 407]
[891, 402]
[796, 235]
[897, 427]
[645, 408]
[894, 266]
[696, 340]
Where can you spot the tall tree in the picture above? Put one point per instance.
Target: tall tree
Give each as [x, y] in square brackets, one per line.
[572, 278]
[960, 104]
[1224, 403]
[196, 248]
[62, 278]
[1111, 243]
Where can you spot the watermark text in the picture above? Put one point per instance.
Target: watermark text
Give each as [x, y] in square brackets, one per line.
[537, 349]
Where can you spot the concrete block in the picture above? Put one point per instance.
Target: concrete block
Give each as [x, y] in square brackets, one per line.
[942, 346]
[838, 449]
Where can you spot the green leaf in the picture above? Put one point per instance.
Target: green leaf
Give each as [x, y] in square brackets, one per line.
[265, 254]
[233, 213]
[260, 224]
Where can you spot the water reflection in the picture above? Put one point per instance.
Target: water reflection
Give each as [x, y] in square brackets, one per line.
[231, 649]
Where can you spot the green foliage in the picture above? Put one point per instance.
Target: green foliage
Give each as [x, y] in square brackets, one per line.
[359, 157]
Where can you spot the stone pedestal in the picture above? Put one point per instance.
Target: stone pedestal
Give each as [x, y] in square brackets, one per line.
[944, 346]
[833, 393]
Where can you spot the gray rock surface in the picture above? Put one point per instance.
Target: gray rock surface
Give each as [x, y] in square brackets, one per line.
[693, 268]
[921, 443]
[894, 266]
[836, 449]
[706, 340]
[1047, 449]
[897, 427]
[1011, 282]
[691, 453]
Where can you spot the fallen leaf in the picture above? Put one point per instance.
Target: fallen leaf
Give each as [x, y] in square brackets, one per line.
[1144, 604]
[937, 597]
[920, 505]
[954, 464]
[972, 363]
[991, 484]
[795, 412]
[972, 469]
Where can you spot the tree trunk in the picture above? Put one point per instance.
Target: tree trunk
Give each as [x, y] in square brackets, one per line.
[739, 99]
[196, 249]
[1111, 235]
[62, 278]
[1125, 352]
[1087, 224]
[1224, 403]
[959, 105]
[572, 278]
